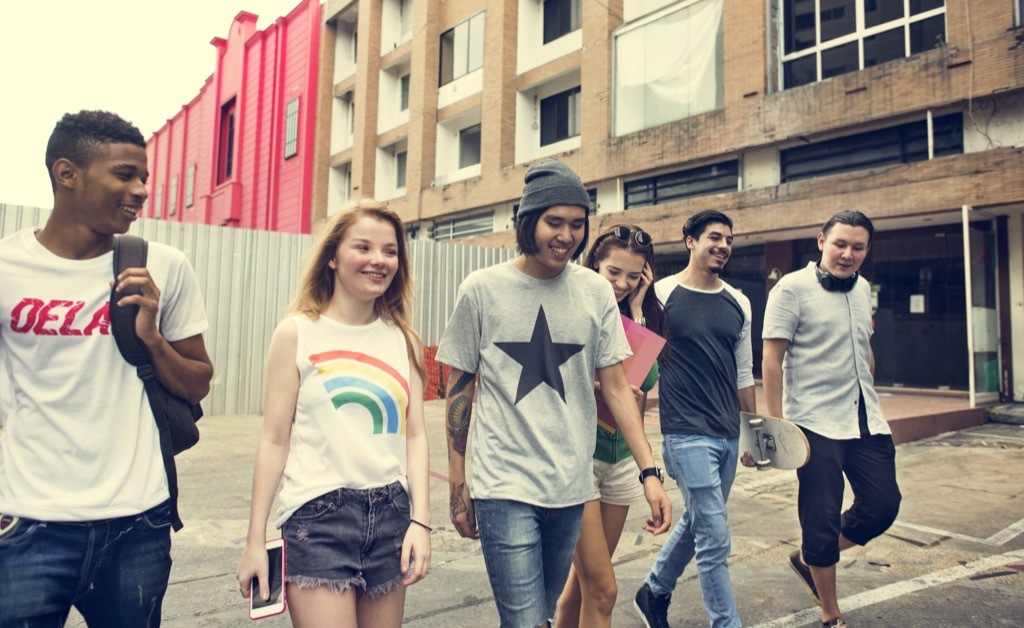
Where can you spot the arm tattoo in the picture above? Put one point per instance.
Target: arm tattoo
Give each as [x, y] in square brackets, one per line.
[459, 386]
[460, 406]
[459, 409]
[456, 504]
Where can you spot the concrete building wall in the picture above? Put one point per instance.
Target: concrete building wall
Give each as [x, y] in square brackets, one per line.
[975, 72]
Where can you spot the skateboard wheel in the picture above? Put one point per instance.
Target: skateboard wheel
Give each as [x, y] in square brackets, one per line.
[756, 424]
[764, 464]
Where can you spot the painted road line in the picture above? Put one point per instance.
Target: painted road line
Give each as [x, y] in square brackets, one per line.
[898, 589]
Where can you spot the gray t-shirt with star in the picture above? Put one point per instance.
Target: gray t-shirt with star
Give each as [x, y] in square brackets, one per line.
[535, 345]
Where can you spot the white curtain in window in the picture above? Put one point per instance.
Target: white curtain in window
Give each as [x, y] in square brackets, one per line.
[670, 68]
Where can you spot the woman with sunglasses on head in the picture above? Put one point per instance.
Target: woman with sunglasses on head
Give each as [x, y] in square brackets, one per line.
[624, 255]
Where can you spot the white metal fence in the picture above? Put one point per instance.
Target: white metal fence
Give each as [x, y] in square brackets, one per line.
[248, 278]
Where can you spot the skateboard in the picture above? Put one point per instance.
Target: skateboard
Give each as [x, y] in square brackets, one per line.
[774, 443]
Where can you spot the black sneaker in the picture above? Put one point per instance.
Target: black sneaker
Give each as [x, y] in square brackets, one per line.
[653, 608]
[804, 572]
[835, 623]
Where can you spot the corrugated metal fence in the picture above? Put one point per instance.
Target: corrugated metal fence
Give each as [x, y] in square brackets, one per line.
[248, 278]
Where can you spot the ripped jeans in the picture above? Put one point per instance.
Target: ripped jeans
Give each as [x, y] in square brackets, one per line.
[348, 538]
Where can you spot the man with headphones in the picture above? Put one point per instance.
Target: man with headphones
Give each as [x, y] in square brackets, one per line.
[817, 339]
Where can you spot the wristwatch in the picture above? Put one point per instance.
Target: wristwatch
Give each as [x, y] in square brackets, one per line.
[649, 471]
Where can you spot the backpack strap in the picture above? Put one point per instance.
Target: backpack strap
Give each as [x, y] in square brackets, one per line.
[129, 252]
[132, 252]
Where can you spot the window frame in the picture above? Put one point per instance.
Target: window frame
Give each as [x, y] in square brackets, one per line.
[556, 24]
[463, 226]
[448, 52]
[401, 169]
[190, 185]
[676, 185]
[567, 112]
[172, 196]
[463, 133]
[403, 92]
[226, 145]
[798, 57]
[291, 128]
[899, 144]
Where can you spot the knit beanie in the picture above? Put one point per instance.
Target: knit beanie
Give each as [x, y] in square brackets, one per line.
[551, 183]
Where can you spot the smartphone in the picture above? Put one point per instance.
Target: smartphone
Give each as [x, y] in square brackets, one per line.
[258, 608]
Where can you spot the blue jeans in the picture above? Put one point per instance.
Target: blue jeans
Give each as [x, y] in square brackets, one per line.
[704, 467]
[528, 551]
[114, 571]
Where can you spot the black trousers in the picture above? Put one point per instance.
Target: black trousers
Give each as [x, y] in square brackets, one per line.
[869, 462]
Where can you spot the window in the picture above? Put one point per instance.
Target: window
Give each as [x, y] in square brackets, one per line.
[403, 88]
[158, 205]
[722, 177]
[291, 128]
[561, 17]
[1020, 13]
[841, 36]
[190, 184]
[400, 159]
[462, 227]
[462, 49]
[172, 196]
[903, 144]
[405, 17]
[469, 146]
[560, 116]
[226, 155]
[669, 66]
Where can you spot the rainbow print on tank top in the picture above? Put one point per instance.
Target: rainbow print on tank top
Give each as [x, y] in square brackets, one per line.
[356, 378]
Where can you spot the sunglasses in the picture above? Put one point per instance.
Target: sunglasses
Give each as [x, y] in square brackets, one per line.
[641, 237]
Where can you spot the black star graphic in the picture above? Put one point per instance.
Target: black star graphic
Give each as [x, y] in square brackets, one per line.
[540, 358]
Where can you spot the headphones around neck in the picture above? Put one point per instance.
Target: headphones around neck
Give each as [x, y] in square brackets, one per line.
[835, 284]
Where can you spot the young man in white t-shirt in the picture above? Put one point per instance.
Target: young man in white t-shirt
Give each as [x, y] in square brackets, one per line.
[85, 514]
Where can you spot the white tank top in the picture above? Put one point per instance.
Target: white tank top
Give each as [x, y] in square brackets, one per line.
[350, 417]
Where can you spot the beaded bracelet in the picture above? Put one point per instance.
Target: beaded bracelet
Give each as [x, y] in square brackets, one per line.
[422, 525]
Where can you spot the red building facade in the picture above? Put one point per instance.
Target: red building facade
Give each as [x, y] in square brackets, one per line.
[241, 153]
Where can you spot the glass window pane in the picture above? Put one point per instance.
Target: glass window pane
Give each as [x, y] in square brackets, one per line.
[920, 6]
[400, 170]
[839, 60]
[469, 146]
[838, 18]
[884, 47]
[476, 43]
[800, 71]
[927, 34]
[629, 89]
[799, 25]
[447, 57]
[460, 58]
[881, 11]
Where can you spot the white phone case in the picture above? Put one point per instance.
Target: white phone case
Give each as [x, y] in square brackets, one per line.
[258, 609]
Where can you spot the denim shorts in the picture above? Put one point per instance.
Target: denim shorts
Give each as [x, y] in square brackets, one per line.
[348, 538]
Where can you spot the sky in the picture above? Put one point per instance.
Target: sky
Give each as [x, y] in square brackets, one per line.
[141, 59]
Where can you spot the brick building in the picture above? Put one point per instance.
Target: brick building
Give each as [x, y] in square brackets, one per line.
[779, 112]
[241, 153]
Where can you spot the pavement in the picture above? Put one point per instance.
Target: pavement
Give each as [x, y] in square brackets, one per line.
[955, 556]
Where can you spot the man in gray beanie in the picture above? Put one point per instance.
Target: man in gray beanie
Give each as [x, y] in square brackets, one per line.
[531, 333]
